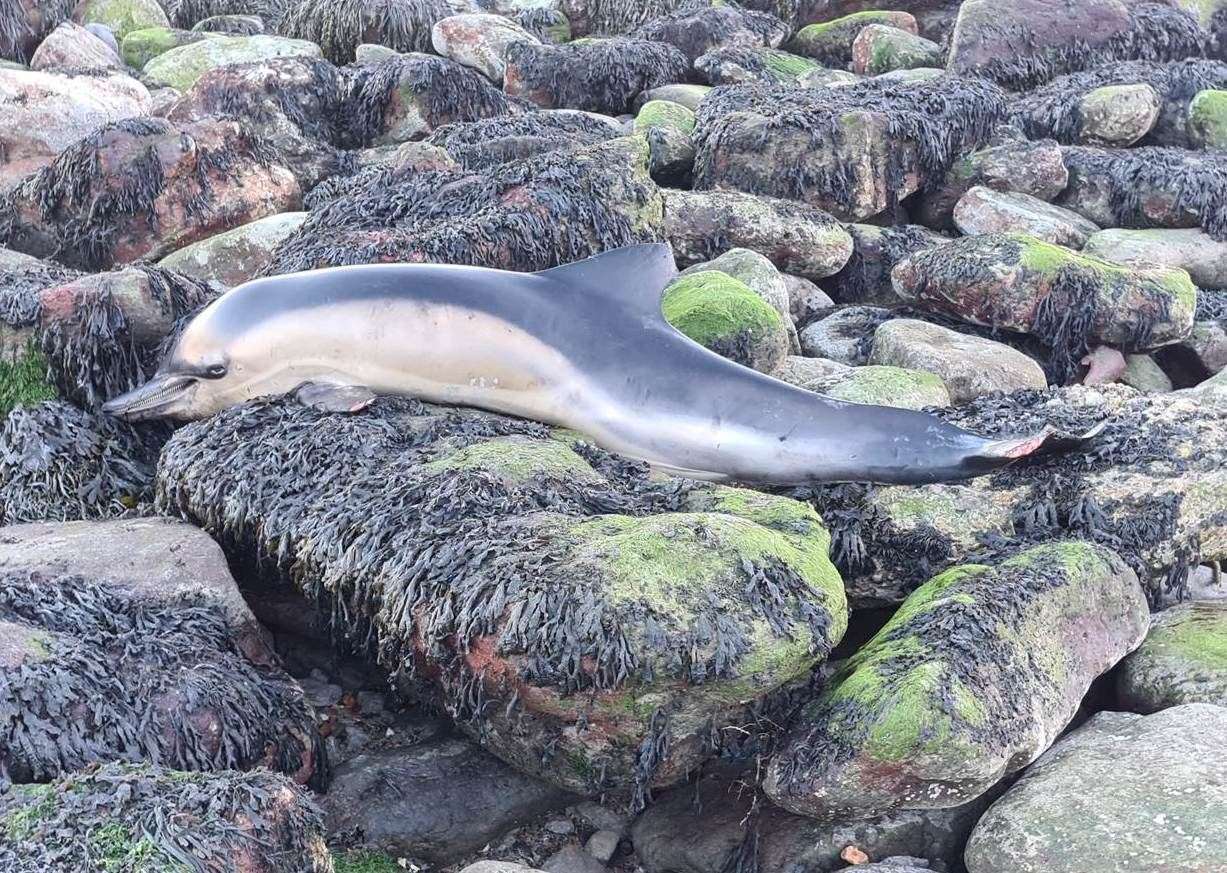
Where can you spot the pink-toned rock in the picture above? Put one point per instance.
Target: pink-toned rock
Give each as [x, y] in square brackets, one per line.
[479, 41]
[70, 47]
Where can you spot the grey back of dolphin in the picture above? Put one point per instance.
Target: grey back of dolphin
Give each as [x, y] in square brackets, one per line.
[583, 346]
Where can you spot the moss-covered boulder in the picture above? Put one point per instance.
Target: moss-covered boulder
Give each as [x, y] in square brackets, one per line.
[1123, 792]
[974, 676]
[600, 75]
[664, 113]
[136, 818]
[585, 622]
[1068, 300]
[1118, 115]
[121, 16]
[1208, 120]
[1183, 660]
[1194, 251]
[854, 150]
[762, 277]
[830, 42]
[736, 65]
[726, 316]
[181, 66]
[141, 46]
[982, 210]
[881, 48]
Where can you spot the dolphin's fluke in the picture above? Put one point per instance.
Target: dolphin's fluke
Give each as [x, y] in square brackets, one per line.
[1046, 442]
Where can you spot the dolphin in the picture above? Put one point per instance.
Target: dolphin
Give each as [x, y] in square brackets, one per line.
[582, 346]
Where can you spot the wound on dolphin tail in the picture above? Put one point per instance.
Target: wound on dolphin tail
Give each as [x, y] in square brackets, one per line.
[1046, 442]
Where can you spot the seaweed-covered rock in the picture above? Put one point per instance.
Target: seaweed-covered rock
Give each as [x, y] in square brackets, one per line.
[688, 95]
[181, 66]
[603, 75]
[830, 42]
[437, 801]
[974, 676]
[1118, 115]
[479, 41]
[119, 817]
[722, 819]
[340, 26]
[696, 29]
[1148, 187]
[1183, 660]
[1070, 301]
[855, 150]
[983, 211]
[121, 16]
[734, 65]
[1208, 119]
[529, 214]
[865, 279]
[843, 335]
[41, 114]
[24, 379]
[1081, 808]
[491, 141]
[796, 237]
[24, 23]
[1030, 42]
[723, 314]
[1196, 252]
[141, 46]
[189, 13]
[1059, 109]
[584, 622]
[234, 25]
[881, 48]
[142, 188]
[71, 47]
[235, 256]
[409, 96]
[1020, 166]
[970, 366]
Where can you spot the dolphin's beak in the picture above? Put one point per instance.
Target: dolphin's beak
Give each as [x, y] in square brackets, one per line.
[163, 396]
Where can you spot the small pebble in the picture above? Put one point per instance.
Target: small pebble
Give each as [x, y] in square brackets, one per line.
[602, 845]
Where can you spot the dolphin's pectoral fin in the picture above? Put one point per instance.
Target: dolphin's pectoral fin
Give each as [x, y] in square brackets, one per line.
[333, 397]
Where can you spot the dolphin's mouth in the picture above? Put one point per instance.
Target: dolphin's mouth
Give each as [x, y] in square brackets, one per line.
[163, 396]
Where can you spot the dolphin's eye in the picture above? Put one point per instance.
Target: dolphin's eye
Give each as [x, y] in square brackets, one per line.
[215, 372]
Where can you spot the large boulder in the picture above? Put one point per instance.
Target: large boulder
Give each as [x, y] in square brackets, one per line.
[146, 817]
[736, 65]
[235, 256]
[723, 314]
[586, 623]
[479, 41]
[853, 150]
[881, 48]
[604, 75]
[340, 26]
[1122, 793]
[1194, 251]
[72, 48]
[983, 211]
[696, 30]
[180, 67]
[41, 114]
[141, 46]
[142, 188]
[190, 682]
[974, 676]
[1183, 660]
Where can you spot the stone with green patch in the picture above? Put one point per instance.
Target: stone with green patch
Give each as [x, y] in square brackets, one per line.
[24, 380]
[1118, 115]
[734, 65]
[830, 42]
[141, 46]
[723, 314]
[880, 48]
[121, 16]
[664, 113]
[181, 66]
[1208, 120]
[975, 675]
[1183, 660]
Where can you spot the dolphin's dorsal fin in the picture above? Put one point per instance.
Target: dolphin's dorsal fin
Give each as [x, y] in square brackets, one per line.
[637, 274]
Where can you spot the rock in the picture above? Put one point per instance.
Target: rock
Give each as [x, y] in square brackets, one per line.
[1143, 373]
[687, 95]
[723, 314]
[603, 75]
[830, 42]
[890, 386]
[1194, 251]
[658, 571]
[972, 679]
[141, 46]
[1020, 283]
[984, 211]
[340, 26]
[1118, 115]
[479, 41]
[845, 335]
[696, 31]
[676, 835]
[805, 299]
[438, 801]
[121, 16]
[1033, 168]
[880, 48]
[671, 156]
[1033, 41]
[235, 256]
[71, 47]
[1183, 660]
[1147, 188]
[797, 238]
[761, 277]
[488, 142]
[573, 859]
[368, 53]
[969, 366]
[854, 150]
[560, 826]
[1167, 808]
[602, 845]
[191, 682]
[234, 25]
[809, 373]
[1213, 391]
[546, 24]
[152, 187]
[1198, 356]
[181, 66]
[663, 113]
[105, 34]
[865, 279]
[602, 817]
[258, 822]
[741, 64]
[41, 114]
[1208, 120]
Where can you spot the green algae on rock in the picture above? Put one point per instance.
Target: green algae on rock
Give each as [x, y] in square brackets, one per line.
[585, 622]
[181, 66]
[1208, 119]
[141, 46]
[121, 16]
[664, 113]
[975, 675]
[723, 314]
[830, 42]
[23, 380]
[1183, 660]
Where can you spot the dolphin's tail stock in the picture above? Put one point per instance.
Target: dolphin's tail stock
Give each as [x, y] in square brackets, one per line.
[998, 453]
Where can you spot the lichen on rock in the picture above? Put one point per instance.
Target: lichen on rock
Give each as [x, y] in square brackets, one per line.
[721, 313]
